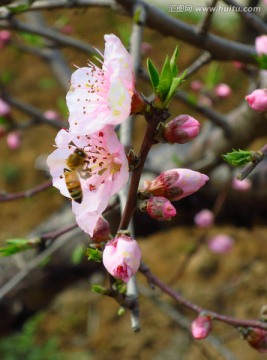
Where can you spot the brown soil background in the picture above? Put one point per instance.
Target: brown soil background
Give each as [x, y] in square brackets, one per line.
[87, 324]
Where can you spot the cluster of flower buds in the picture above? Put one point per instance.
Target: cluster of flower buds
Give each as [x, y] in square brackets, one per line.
[169, 186]
[201, 327]
[122, 257]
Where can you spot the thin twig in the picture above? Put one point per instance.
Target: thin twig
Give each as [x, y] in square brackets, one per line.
[252, 165]
[4, 197]
[204, 59]
[152, 279]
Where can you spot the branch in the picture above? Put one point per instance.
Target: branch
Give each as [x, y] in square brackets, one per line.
[196, 308]
[4, 197]
[205, 25]
[219, 48]
[253, 20]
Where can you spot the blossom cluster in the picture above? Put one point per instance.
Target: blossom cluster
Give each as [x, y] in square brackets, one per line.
[89, 164]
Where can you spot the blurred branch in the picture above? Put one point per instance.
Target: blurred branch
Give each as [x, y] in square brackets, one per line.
[204, 59]
[4, 197]
[252, 165]
[47, 33]
[218, 47]
[253, 20]
[206, 22]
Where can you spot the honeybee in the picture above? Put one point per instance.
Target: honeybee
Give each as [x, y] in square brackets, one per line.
[75, 161]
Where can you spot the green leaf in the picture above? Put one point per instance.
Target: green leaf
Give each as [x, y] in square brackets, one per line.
[262, 61]
[177, 81]
[173, 61]
[165, 81]
[15, 246]
[238, 157]
[19, 8]
[32, 39]
[78, 254]
[153, 74]
[94, 254]
[99, 289]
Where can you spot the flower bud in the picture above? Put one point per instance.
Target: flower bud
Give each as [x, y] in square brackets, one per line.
[257, 100]
[4, 108]
[261, 45]
[14, 140]
[243, 185]
[196, 85]
[5, 36]
[204, 218]
[223, 90]
[221, 244]
[181, 129]
[257, 338]
[160, 208]
[51, 115]
[101, 231]
[201, 327]
[146, 48]
[122, 257]
[176, 184]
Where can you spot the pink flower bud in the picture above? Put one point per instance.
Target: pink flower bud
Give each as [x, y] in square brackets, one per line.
[204, 218]
[196, 85]
[221, 244]
[201, 327]
[261, 45]
[205, 100]
[243, 185]
[122, 257]
[181, 129]
[67, 29]
[101, 230]
[146, 48]
[257, 100]
[176, 184]
[160, 208]
[4, 108]
[51, 115]
[239, 65]
[14, 140]
[257, 338]
[5, 36]
[223, 90]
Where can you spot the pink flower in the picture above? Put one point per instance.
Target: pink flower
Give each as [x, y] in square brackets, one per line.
[204, 218]
[160, 208]
[176, 184]
[223, 90]
[101, 231]
[4, 108]
[201, 327]
[103, 173]
[261, 45]
[243, 185]
[196, 85]
[257, 338]
[122, 257]
[99, 97]
[181, 129]
[14, 140]
[257, 100]
[221, 244]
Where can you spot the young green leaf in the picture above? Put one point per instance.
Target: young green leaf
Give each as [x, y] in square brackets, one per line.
[15, 246]
[78, 254]
[94, 254]
[173, 61]
[262, 61]
[175, 84]
[238, 157]
[153, 74]
[214, 76]
[165, 81]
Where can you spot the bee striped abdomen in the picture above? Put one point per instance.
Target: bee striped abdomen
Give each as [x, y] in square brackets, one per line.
[73, 185]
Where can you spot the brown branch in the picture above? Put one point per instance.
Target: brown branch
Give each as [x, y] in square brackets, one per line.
[205, 25]
[4, 197]
[196, 308]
